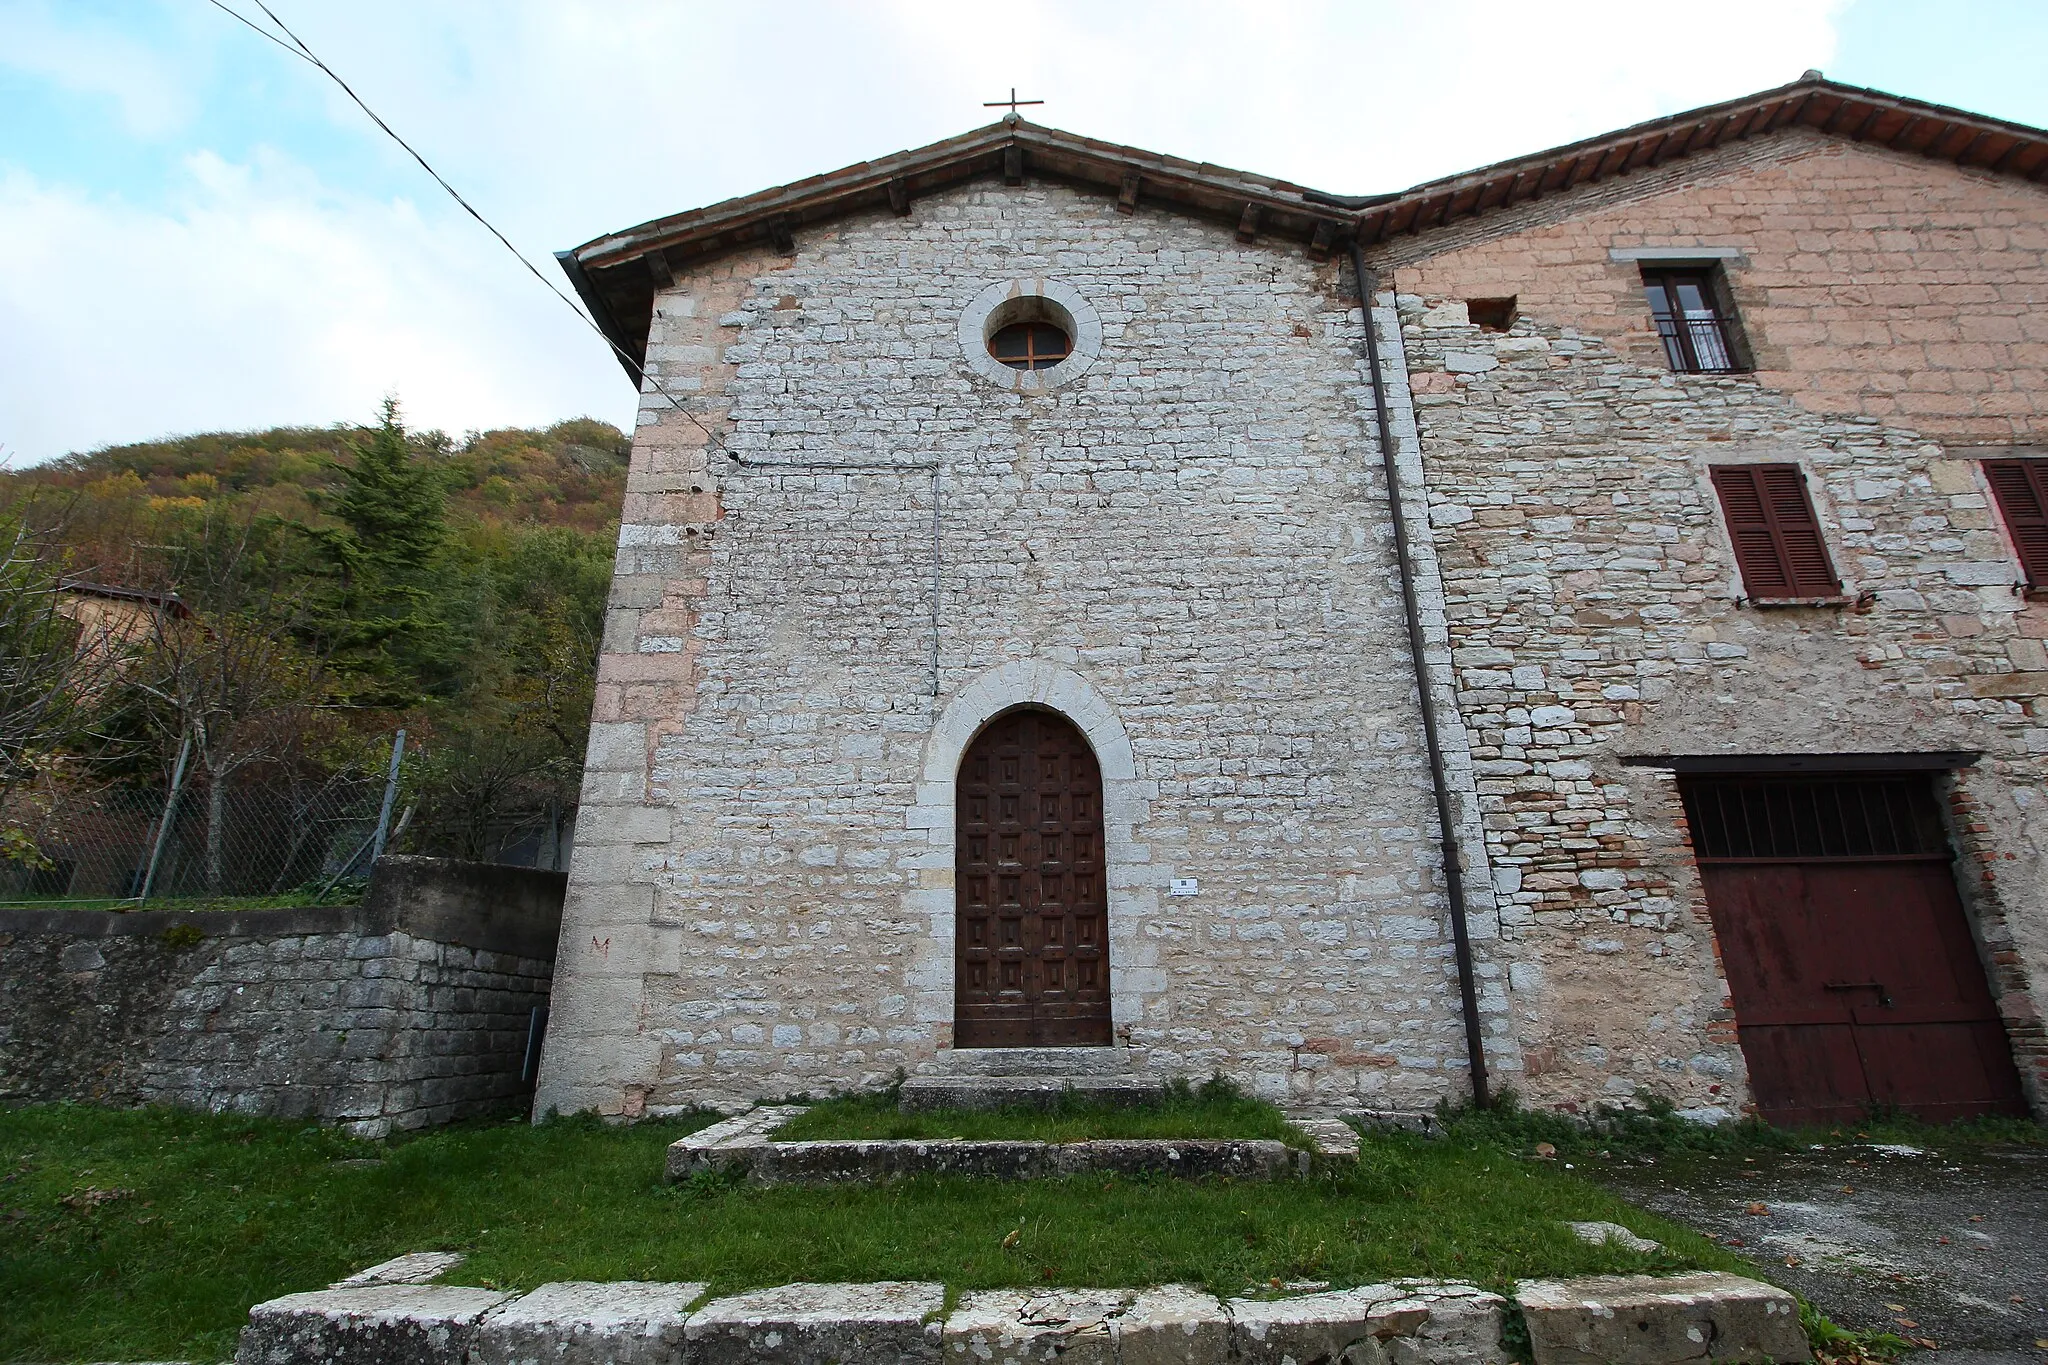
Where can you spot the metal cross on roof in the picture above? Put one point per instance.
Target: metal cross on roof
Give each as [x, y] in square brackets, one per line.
[1012, 102]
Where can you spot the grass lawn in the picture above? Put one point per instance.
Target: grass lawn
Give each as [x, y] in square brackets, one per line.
[147, 1234]
[1210, 1110]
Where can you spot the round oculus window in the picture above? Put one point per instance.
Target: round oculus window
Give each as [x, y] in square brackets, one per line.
[1035, 345]
[1030, 336]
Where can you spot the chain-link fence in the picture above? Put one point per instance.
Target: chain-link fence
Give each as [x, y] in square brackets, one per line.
[268, 834]
[240, 839]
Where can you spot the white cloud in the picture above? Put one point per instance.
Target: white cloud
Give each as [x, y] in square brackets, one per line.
[260, 292]
[90, 58]
[262, 299]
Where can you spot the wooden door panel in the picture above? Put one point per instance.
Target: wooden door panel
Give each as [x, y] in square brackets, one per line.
[1810, 1074]
[1856, 983]
[1036, 974]
[1939, 1071]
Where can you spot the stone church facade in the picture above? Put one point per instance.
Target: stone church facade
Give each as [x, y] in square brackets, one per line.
[896, 599]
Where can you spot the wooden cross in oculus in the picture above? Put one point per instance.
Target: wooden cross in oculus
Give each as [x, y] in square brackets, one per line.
[1011, 102]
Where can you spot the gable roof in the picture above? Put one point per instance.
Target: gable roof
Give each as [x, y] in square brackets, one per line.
[1844, 111]
[617, 274]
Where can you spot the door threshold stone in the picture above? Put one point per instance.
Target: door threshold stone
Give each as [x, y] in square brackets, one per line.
[743, 1147]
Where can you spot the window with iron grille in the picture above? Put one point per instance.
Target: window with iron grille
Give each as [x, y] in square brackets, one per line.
[1777, 539]
[1694, 320]
[1812, 818]
[2021, 487]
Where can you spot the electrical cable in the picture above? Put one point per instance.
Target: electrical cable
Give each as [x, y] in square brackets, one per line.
[298, 48]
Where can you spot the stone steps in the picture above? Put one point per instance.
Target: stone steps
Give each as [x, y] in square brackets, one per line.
[1637, 1319]
[922, 1093]
[1028, 1078]
[1029, 1061]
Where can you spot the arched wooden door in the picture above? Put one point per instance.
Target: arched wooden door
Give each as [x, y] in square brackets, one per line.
[1031, 909]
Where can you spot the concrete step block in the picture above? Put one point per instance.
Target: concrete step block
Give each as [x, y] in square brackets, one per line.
[581, 1322]
[1460, 1324]
[1173, 1324]
[1034, 1327]
[1332, 1137]
[384, 1324]
[1042, 1092]
[1647, 1320]
[820, 1324]
[1348, 1325]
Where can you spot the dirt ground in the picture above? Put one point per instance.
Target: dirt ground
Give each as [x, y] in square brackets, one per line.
[1947, 1246]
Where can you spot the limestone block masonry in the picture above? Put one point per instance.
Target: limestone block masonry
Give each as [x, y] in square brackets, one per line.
[1594, 605]
[1184, 548]
[415, 1008]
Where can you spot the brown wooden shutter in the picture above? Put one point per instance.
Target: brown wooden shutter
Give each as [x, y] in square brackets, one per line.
[2021, 487]
[1778, 544]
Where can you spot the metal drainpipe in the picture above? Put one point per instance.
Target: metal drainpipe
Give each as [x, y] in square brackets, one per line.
[1454, 875]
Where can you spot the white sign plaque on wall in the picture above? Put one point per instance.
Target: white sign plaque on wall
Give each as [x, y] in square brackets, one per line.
[1184, 886]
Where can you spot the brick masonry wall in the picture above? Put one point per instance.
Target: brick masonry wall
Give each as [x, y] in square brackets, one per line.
[1596, 613]
[333, 1014]
[1189, 545]
[1869, 283]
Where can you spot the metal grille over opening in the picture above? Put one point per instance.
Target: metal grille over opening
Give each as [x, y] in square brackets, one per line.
[1813, 818]
[1031, 345]
[1690, 321]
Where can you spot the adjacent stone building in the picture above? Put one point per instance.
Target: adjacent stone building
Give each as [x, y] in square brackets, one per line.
[1016, 637]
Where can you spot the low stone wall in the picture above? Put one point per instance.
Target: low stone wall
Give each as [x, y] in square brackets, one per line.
[415, 1008]
[391, 1315]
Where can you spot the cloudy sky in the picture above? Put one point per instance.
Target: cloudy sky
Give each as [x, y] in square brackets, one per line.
[198, 232]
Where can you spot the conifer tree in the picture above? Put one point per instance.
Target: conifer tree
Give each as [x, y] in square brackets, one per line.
[386, 632]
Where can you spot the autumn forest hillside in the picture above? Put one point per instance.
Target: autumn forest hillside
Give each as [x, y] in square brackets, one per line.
[287, 600]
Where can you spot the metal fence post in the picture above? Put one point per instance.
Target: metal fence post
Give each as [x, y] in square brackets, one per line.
[390, 796]
[163, 826]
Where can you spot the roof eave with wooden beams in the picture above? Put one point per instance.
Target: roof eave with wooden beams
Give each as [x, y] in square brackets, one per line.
[618, 274]
[1843, 111]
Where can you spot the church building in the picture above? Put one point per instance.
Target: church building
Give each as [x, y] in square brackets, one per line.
[1574, 627]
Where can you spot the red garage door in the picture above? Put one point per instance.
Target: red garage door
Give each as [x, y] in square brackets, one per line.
[1855, 979]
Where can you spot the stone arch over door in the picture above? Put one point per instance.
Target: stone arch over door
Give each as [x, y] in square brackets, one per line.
[1135, 980]
[1030, 922]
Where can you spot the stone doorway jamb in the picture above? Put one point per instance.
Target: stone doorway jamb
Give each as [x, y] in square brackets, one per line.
[1135, 979]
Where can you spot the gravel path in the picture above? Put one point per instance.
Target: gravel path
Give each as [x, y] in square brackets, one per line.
[1950, 1247]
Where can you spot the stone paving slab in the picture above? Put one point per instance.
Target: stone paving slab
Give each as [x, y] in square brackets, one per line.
[418, 1324]
[821, 1324]
[1638, 1320]
[1340, 1324]
[581, 1322]
[1602, 1234]
[1034, 1327]
[415, 1267]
